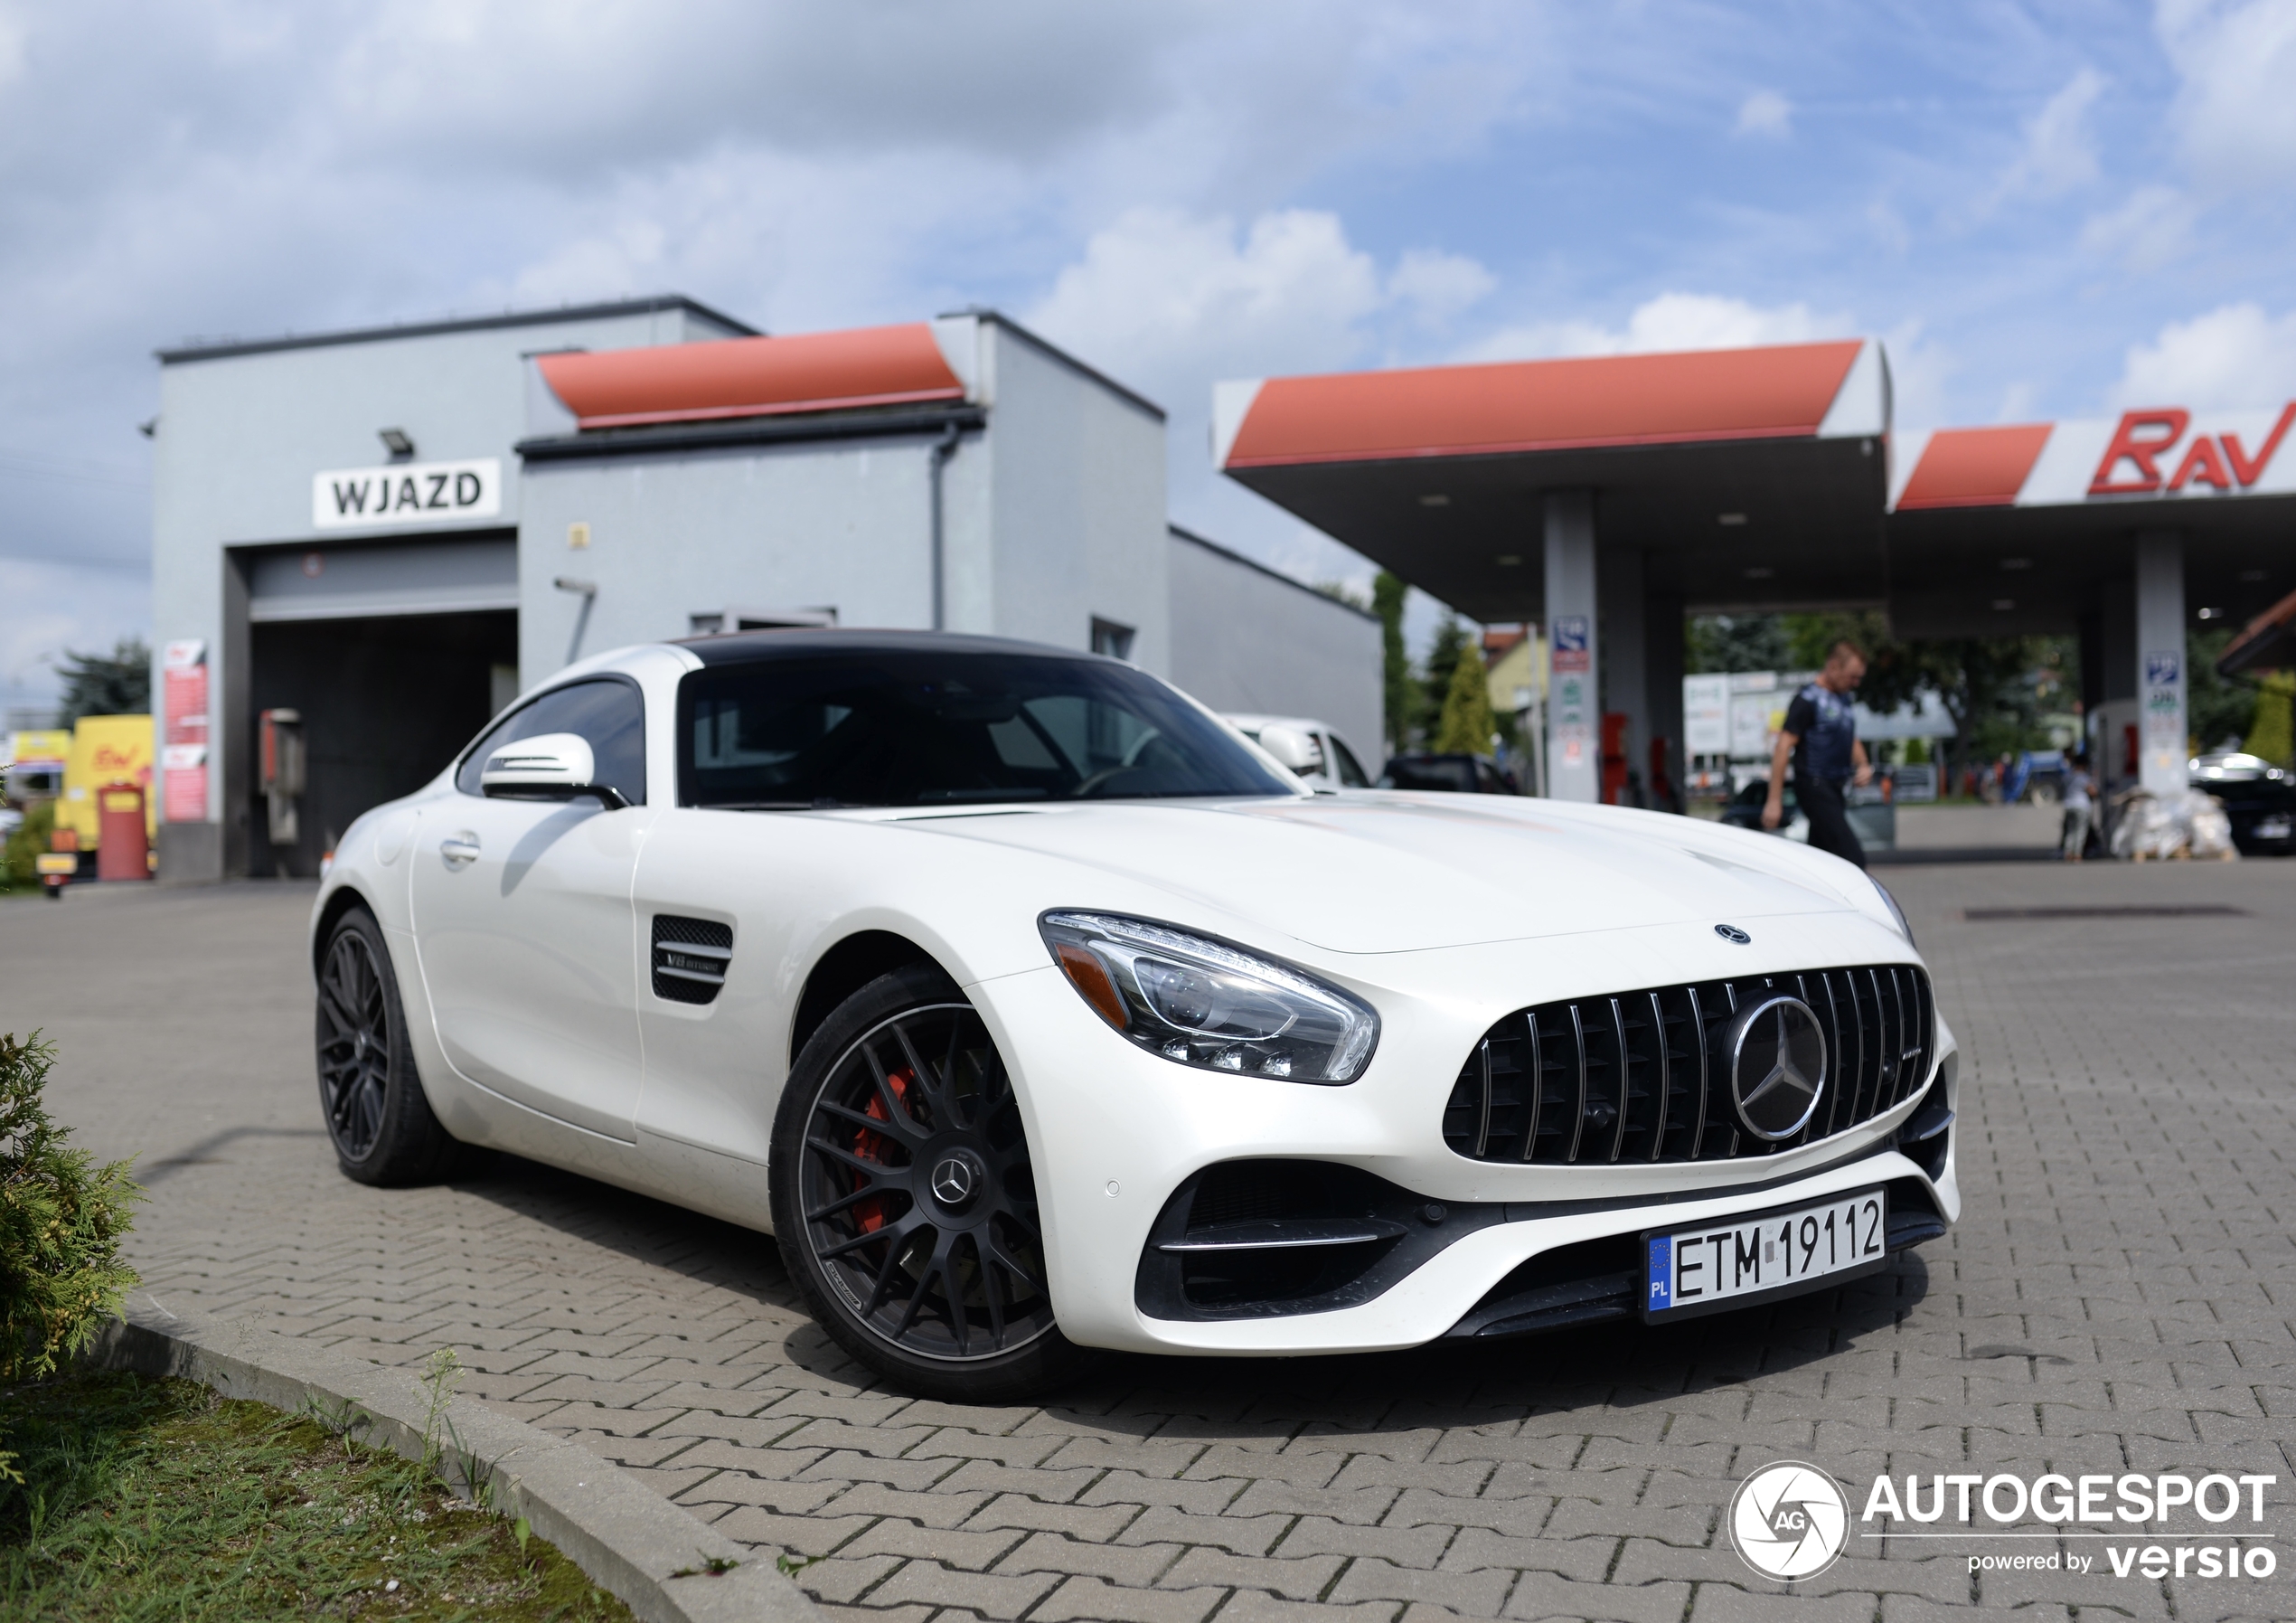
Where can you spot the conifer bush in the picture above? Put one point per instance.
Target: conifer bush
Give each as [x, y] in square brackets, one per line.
[62, 1220]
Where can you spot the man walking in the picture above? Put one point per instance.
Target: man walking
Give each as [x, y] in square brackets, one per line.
[1821, 735]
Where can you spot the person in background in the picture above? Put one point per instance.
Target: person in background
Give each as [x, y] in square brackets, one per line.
[2080, 806]
[1821, 735]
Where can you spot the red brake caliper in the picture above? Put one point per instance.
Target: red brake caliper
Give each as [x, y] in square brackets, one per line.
[874, 1146]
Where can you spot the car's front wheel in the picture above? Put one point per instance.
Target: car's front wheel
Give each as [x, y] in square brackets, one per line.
[381, 1125]
[904, 1201]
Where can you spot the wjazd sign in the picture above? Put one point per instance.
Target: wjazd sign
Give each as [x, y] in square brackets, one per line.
[407, 493]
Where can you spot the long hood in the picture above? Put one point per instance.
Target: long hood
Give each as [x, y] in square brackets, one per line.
[1396, 872]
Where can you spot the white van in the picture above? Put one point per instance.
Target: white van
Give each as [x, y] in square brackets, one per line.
[1318, 756]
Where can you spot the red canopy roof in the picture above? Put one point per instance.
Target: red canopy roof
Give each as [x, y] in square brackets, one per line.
[753, 377]
[1543, 405]
[1974, 467]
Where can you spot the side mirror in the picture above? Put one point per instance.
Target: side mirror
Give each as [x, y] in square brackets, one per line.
[549, 766]
[1295, 750]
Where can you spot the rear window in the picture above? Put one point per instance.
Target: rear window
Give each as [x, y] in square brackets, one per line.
[928, 729]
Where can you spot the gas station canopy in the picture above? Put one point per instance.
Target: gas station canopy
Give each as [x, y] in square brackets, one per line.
[1742, 474]
[1607, 496]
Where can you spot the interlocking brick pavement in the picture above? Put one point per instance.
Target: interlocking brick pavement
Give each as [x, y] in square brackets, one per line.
[2117, 1298]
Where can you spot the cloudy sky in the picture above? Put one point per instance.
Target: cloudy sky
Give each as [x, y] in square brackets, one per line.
[2045, 209]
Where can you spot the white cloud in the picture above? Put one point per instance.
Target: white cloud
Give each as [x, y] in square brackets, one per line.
[2235, 355]
[1164, 296]
[2235, 115]
[1672, 321]
[1766, 113]
[2151, 228]
[1438, 287]
[2059, 151]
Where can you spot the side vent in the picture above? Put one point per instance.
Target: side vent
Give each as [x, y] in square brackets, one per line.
[689, 957]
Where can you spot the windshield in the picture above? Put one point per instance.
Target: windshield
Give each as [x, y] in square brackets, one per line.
[926, 728]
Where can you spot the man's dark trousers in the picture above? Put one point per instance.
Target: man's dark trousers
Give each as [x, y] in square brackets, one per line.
[1822, 802]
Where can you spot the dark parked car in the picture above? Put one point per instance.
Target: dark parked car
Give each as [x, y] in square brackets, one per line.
[2259, 797]
[1456, 774]
[1871, 818]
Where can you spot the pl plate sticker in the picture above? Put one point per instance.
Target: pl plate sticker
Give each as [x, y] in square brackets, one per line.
[1788, 1521]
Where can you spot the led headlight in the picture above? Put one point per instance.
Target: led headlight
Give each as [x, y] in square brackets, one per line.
[1203, 1003]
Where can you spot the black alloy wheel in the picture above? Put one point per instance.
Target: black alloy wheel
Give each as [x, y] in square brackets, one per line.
[354, 1044]
[904, 1198]
[381, 1123]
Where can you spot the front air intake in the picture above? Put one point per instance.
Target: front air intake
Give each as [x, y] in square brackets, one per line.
[1640, 1076]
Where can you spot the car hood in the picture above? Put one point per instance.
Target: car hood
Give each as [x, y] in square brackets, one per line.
[1400, 873]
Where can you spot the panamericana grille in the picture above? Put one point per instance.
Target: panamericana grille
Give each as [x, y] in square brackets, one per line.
[1640, 1076]
[689, 957]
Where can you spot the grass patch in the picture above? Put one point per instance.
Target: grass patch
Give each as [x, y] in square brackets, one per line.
[156, 1499]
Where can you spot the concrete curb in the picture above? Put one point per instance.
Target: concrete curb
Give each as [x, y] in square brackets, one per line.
[628, 1538]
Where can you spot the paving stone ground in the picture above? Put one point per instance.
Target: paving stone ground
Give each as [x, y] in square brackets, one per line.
[2117, 1298]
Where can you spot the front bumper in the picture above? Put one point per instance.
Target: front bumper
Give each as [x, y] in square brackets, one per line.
[1117, 1131]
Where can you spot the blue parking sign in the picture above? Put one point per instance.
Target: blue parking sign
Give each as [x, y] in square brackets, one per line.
[2160, 669]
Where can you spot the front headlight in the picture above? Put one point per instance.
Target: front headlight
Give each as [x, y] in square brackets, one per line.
[1202, 1002]
[1896, 912]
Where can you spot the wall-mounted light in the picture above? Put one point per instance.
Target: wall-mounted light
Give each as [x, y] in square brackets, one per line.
[398, 442]
[2212, 614]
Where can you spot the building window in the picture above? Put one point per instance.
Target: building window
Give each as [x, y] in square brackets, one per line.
[1110, 638]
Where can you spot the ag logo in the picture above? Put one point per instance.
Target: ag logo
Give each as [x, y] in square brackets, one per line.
[1788, 1521]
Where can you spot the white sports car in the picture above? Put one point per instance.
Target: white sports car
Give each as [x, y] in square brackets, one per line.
[1010, 990]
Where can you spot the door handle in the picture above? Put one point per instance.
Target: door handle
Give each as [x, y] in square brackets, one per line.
[459, 850]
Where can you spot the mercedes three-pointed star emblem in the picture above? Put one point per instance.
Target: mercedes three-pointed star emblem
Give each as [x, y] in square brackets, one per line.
[1776, 1053]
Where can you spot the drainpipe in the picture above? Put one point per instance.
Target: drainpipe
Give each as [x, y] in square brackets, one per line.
[942, 450]
[587, 591]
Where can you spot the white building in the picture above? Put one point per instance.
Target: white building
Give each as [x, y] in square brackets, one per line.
[389, 533]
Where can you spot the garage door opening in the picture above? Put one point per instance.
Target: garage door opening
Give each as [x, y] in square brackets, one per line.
[381, 705]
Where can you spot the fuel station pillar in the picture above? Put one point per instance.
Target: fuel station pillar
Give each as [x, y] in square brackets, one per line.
[2160, 656]
[1574, 756]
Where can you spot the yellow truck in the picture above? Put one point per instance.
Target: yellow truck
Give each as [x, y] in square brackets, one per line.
[106, 749]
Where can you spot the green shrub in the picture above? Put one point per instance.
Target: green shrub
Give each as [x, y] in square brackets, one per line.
[61, 1220]
[17, 871]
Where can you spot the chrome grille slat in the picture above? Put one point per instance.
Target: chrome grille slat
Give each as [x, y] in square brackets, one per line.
[1664, 1086]
[1580, 1057]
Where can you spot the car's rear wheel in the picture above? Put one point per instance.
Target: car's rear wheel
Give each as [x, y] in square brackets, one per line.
[904, 1201]
[380, 1124]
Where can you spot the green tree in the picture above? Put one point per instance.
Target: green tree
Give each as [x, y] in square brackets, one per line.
[1810, 637]
[1464, 727]
[117, 684]
[1717, 643]
[2216, 709]
[1387, 592]
[19, 869]
[2272, 734]
[61, 1220]
[1452, 641]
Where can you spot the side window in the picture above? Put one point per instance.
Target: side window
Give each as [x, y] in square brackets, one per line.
[609, 715]
[1351, 773]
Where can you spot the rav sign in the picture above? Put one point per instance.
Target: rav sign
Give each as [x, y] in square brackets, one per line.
[2145, 440]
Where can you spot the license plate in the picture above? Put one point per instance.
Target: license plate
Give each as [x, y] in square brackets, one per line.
[1738, 1261]
[2273, 828]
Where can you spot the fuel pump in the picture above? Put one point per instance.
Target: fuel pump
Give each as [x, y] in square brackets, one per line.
[282, 780]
